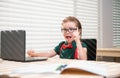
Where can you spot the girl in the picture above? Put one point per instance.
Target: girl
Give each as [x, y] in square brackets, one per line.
[72, 47]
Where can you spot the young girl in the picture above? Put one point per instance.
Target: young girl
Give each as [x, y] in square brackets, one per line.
[72, 47]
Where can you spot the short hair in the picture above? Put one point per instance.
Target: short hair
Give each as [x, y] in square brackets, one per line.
[75, 20]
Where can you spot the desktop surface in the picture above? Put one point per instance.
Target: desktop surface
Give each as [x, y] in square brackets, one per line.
[6, 67]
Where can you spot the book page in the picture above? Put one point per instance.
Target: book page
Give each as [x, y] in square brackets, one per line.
[36, 69]
[107, 69]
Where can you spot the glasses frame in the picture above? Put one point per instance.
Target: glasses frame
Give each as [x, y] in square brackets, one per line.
[70, 30]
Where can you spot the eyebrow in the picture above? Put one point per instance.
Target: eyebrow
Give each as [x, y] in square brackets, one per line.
[69, 28]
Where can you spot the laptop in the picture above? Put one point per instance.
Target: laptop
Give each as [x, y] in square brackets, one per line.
[13, 46]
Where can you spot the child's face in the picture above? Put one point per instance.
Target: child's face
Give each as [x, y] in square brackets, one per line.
[70, 31]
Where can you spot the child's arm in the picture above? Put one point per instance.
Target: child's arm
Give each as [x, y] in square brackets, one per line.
[82, 52]
[51, 53]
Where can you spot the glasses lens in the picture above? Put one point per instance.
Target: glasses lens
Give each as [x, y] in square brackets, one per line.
[64, 30]
[72, 29]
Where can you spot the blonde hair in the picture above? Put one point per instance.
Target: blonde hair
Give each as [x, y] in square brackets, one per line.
[75, 20]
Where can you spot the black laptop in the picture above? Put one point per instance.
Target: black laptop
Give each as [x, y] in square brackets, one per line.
[13, 46]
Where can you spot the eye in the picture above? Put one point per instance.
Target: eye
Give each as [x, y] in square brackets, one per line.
[71, 29]
[64, 30]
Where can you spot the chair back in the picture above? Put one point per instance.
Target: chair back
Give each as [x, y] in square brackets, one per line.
[91, 48]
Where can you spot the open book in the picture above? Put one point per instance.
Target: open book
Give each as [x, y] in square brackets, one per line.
[106, 69]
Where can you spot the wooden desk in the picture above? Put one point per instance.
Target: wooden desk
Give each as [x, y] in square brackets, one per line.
[6, 67]
[110, 52]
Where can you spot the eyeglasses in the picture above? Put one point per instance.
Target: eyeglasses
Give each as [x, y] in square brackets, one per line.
[70, 30]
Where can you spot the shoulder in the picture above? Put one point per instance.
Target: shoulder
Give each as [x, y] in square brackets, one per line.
[60, 44]
[57, 48]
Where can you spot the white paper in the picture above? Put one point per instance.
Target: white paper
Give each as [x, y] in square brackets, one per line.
[35, 69]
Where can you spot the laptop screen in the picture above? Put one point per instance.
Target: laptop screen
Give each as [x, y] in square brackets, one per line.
[13, 45]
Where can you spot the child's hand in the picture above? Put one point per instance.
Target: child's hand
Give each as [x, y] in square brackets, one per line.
[31, 53]
[76, 36]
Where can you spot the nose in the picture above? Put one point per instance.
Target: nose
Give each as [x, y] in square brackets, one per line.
[68, 31]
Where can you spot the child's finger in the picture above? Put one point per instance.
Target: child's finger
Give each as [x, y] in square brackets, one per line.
[75, 34]
[30, 52]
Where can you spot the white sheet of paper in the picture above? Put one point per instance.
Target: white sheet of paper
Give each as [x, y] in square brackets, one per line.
[35, 69]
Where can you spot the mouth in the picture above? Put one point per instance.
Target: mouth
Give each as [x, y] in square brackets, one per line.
[68, 37]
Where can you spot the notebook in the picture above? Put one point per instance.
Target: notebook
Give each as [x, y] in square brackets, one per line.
[13, 46]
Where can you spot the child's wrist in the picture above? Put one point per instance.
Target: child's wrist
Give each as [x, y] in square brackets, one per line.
[78, 42]
[35, 55]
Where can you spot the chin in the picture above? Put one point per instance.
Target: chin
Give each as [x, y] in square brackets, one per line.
[69, 41]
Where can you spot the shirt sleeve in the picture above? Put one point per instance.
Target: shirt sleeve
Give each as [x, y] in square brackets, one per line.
[84, 44]
[57, 48]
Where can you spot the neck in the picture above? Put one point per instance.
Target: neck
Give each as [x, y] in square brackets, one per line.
[69, 42]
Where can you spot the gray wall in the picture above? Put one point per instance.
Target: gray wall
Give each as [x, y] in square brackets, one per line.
[107, 31]
[0, 43]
